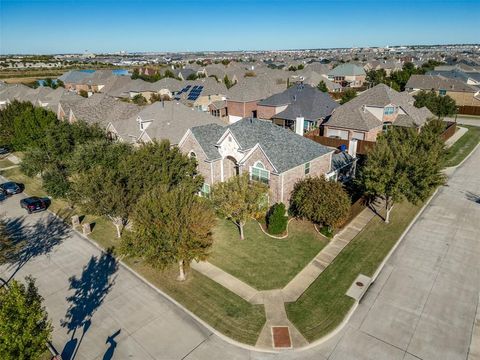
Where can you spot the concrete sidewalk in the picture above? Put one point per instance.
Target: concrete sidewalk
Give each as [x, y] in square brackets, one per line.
[307, 276]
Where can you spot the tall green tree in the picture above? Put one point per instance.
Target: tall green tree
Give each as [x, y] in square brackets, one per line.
[348, 95]
[227, 82]
[238, 199]
[171, 226]
[320, 201]
[393, 173]
[106, 191]
[441, 106]
[322, 86]
[24, 325]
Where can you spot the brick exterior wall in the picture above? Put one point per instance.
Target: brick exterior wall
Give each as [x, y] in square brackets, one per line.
[266, 112]
[318, 166]
[204, 168]
[242, 109]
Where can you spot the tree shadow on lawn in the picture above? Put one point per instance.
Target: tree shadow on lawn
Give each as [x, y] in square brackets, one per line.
[23, 242]
[90, 290]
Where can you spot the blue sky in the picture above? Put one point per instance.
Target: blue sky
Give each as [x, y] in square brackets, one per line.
[66, 26]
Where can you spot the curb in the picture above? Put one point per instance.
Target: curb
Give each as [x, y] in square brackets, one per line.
[163, 294]
[175, 302]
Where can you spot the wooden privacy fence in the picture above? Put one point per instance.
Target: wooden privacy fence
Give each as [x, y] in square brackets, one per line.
[362, 146]
[469, 110]
[449, 130]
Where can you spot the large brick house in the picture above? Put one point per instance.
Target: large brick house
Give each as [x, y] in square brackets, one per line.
[273, 155]
[367, 115]
[348, 75]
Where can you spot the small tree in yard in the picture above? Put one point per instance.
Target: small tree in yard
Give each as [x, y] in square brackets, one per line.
[276, 219]
[83, 93]
[322, 86]
[441, 106]
[24, 325]
[238, 199]
[171, 226]
[348, 95]
[320, 201]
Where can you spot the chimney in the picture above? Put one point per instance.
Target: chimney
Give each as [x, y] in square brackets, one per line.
[299, 123]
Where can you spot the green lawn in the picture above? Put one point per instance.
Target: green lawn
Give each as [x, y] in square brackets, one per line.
[324, 304]
[222, 309]
[261, 261]
[463, 146]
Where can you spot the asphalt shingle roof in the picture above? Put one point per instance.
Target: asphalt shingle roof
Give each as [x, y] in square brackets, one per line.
[284, 148]
[303, 101]
[352, 115]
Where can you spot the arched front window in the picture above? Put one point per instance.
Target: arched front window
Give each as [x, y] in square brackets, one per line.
[259, 173]
[192, 155]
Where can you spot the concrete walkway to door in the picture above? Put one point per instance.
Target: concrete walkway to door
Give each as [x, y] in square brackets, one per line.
[274, 299]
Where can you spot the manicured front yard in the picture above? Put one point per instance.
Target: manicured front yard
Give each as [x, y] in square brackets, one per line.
[324, 305]
[261, 261]
[463, 146]
[222, 309]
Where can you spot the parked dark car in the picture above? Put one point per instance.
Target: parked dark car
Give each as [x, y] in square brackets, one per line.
[4, 150]
[34, 204]
[11, 188]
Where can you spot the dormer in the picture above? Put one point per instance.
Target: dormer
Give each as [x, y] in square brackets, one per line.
[390, 112]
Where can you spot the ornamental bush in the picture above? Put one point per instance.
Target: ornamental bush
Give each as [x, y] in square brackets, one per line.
[276, 219]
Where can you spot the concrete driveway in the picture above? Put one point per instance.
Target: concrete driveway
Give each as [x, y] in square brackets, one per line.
[422, 306]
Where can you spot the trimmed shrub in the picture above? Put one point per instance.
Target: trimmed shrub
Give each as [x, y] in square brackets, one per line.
[276, 219]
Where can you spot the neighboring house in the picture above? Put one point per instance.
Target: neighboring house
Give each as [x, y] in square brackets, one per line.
[372, 112]
[91, 81]
[460, 91]
[313, 78]
[270, 154]
[218, 109]
[348, 75]
[183, 74]
[242, 98]
[389, 66]
[165, 87]
[201, 93]
[299, 108]
[469, 78]
[98, 109]
[162, 120]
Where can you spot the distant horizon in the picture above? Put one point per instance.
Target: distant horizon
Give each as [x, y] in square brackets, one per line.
[49, 27]
[235, 51]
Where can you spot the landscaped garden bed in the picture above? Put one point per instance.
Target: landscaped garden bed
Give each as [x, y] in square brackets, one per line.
[261, 261]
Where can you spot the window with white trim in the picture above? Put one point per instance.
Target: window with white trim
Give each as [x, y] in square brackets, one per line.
[259, 173]
[307, 168]
[192, 154]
